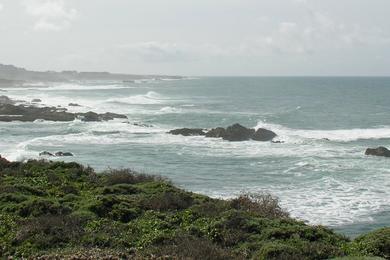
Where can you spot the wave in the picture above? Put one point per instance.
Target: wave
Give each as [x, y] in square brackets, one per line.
[339, 135]
[149, 98]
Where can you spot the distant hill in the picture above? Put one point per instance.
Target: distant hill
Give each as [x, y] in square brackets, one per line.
[10, 74]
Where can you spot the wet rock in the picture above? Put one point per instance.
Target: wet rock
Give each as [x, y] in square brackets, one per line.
[111, 116]
[36, 100]
[277, 142]
[74, 105]
[237, 132]
[380, 151]
[10, 112]
[263, 135]
[89, 117]
[187, 131]
[60, 154]
[216, 132]
[46, 153]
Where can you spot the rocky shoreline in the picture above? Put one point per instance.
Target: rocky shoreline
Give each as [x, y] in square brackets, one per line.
[10, 111]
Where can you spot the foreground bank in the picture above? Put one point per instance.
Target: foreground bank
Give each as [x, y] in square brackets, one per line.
[58, 209]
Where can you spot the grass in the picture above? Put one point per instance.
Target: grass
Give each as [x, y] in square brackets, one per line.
[66, 210]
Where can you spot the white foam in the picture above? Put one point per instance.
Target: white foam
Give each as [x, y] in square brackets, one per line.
[340, 135]
[147, 99]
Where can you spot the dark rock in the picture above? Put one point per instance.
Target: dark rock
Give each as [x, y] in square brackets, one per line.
[263, 135]
[277, 142]
[46, 153]
[380, 151]
[111, 116]
[90, 117]
[187, 131]
[6, 100]
[237, 133]
[142, 125]
[326, 139]
[9, 112]
[216, 132]
[36, 100]
[74, 105]
[59, 154]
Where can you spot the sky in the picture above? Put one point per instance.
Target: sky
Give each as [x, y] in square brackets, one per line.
[199, 37]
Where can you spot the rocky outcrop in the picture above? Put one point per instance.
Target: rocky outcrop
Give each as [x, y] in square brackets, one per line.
[380, 151]
[263, 135]
[233, 133]
[10, 112]
[46, 153]
[238, 132]
[4, 100]
[187, 131]
[74, 105]
[58, 154]
[216, 132]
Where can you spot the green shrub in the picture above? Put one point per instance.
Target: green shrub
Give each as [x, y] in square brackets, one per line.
[376, 243]
[39, 207]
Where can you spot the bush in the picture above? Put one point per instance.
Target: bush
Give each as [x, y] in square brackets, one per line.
[50, 231]
[126, 189]
[188, 247]
[39, 207]
[264, 205]
[168, 201]
[128, 176]
[279, 251]
[376, 243]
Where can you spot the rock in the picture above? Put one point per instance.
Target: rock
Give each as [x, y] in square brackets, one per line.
[6, 100]
[36, 100]
[277, 142]
[22, 113]
[187, 131]
[263, 135]
[237, 132]
[90, 117]
[74, 105]
[216, 132]
[59, 154]
[111, 116]
[380, 151]
[45, 153]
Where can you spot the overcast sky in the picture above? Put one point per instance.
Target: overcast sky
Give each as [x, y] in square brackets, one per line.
[198, 37]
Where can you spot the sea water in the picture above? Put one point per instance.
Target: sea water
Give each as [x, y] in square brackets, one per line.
[319, 171]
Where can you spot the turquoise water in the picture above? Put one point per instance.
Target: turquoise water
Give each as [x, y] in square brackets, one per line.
[319, 173]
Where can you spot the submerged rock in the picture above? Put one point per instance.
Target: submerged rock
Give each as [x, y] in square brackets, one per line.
[36, 100]
[380, 151]
[187, 131]
[74, 105]
[238, 132]
[263, 135]
[60, 154]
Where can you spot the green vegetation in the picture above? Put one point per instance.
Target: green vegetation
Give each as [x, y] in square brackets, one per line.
[65, 210]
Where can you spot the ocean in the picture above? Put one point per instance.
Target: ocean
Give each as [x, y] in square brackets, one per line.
[319, 172]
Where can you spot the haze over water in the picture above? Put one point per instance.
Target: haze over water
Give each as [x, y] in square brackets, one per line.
[319, 172]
